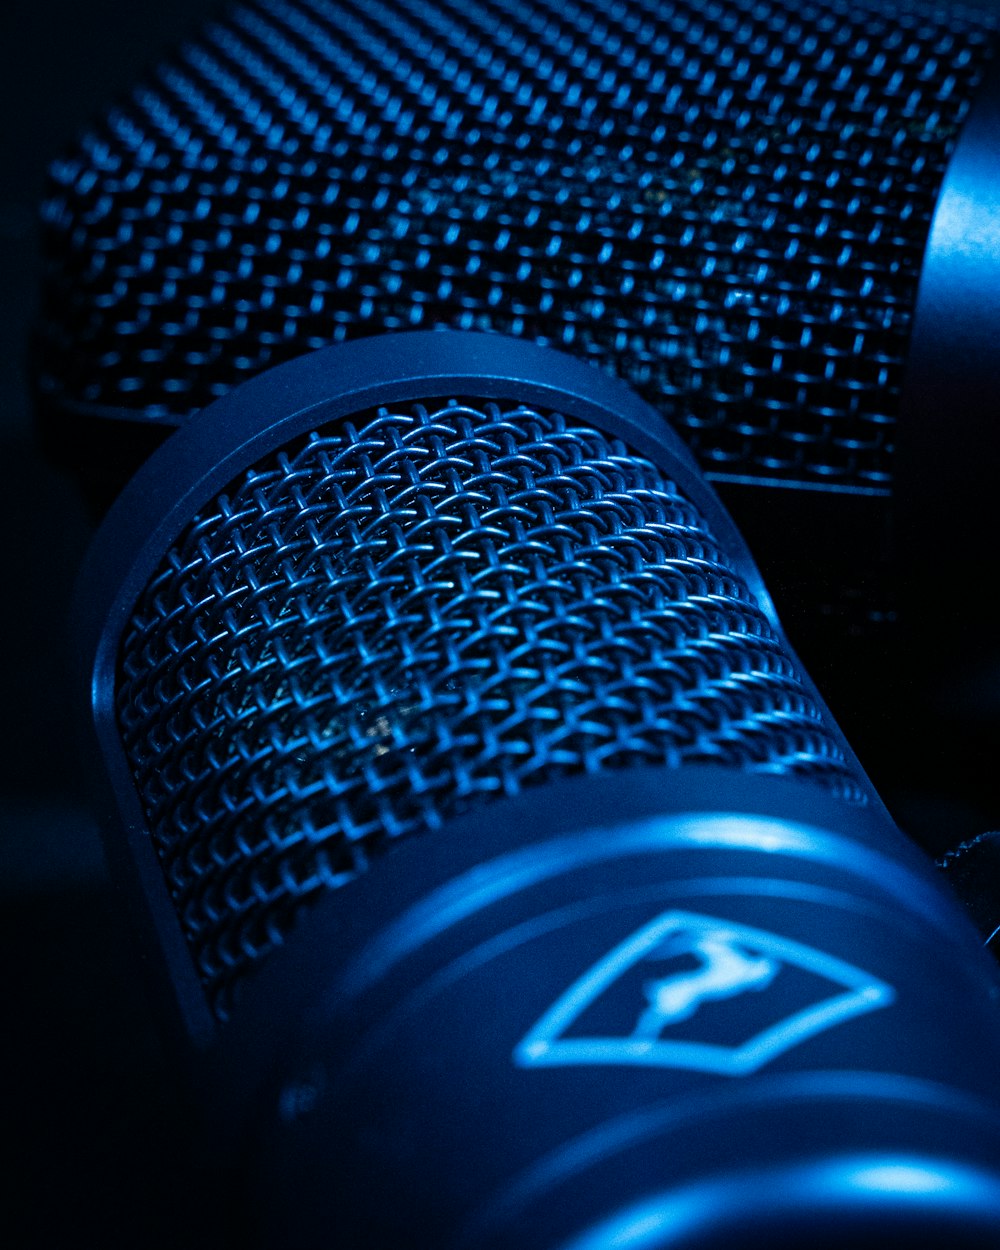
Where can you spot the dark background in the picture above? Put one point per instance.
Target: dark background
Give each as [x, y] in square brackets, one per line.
[95, 1129]
[98, 1128]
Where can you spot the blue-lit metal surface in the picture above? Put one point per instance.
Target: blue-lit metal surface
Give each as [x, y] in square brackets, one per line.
[643, 1129]
[726, 204]
[720, 831]
[521, 923]
[820, 1201]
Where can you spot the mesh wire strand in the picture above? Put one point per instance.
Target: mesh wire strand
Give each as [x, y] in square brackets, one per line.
[724, 202]
[414, 611]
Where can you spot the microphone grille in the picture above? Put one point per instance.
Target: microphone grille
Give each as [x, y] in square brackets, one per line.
[413, 610]
[726, 203]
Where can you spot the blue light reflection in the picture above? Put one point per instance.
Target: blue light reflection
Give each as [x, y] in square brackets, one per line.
[909, 1184]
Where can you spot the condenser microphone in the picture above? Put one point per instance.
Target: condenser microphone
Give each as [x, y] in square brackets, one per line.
[500, 866]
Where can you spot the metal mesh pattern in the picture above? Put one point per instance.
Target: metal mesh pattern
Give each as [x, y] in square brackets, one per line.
[725, 202]
[414, 611]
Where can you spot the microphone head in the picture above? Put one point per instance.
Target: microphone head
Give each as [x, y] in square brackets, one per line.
[726, 204]
[391, 581]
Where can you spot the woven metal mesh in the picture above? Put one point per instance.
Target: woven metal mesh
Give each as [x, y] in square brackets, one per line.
[725, 202]
[413, 611]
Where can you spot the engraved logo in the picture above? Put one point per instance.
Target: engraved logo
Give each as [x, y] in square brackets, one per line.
[701, 993]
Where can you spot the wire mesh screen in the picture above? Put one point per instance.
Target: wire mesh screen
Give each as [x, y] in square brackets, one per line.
[416, 610]
[725, 202]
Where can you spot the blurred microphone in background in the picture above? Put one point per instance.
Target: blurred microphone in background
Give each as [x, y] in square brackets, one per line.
[503, 874]
[728, 205]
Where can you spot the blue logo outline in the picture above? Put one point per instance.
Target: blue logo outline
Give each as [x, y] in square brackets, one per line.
[544, 1046]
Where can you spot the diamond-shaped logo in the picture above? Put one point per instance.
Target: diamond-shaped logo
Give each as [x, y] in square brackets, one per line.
[699, 992]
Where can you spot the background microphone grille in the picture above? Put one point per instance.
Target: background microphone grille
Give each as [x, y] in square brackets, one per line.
[412, 610]
[725, 203]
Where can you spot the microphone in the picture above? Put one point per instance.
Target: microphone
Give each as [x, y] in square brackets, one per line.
[504, 872]
[740, 209]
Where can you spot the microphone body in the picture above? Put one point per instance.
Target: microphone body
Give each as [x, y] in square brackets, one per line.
[500, 860]
[731, 1010]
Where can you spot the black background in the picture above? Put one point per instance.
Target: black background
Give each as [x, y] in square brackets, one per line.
[95, 1129]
